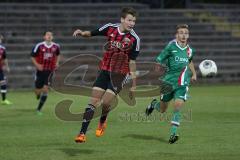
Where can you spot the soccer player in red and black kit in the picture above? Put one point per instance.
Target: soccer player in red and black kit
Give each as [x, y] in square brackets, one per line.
[3, 65]
[45, 57]
[122, 49]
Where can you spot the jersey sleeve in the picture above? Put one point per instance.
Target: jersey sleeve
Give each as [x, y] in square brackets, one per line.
[102, 31]
[58, 50]
[192, 54]
[35, 50]
[135, 49]
[162, 57]
[4, 55]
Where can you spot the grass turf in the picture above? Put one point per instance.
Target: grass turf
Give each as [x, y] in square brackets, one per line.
[210, 129]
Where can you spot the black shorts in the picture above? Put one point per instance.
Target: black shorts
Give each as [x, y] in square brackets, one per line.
[42, 78]
[2, 77]
[110, 80]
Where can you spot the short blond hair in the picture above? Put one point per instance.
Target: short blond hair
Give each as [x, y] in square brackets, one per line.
[179, 26]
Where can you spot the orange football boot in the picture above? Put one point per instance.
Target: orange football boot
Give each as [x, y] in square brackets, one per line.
[81, 138]
[101, 128]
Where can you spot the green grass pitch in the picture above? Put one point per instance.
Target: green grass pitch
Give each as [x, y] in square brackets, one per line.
[210, 130]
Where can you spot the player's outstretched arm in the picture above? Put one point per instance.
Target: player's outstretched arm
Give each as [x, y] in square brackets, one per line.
[79, 32]
[192, 68]
[132, 67]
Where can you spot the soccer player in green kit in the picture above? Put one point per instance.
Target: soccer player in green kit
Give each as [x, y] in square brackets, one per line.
[177, 56]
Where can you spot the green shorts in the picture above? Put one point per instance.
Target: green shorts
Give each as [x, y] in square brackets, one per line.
[178, 93]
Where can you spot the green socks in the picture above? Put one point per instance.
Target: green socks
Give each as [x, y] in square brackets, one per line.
[175, 122]
[175, 119]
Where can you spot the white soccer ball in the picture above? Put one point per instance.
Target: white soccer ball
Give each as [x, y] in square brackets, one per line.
[208, 68]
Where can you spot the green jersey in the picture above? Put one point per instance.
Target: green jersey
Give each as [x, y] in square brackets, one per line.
[177, 60]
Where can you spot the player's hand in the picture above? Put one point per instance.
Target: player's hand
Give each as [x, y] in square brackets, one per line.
[77, 32]
[57, 65]
[8, 69]
[39, 67]
[194, 78]
[157, 67]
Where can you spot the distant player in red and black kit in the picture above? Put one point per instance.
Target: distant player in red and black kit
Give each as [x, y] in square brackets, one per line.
[122, 49]
[45, 57]
[3, 65]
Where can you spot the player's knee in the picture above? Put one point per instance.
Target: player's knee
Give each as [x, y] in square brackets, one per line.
[38, 91]
[45, 89]
[95, 101]
[3, 82]
[106, 103]
[163, 106]
[163, 110]
[106, 107]
[178, 104]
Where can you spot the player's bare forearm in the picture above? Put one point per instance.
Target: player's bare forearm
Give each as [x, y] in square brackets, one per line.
[34, 61]
[79, 32]
[36, 64]
[86, 34]
[5, 63]
[58, 60]
[132, 67]
[192, 68]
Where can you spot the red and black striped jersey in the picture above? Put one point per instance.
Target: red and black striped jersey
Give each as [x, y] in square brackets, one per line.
[2, 55]
[119, 48]
[46, 55]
